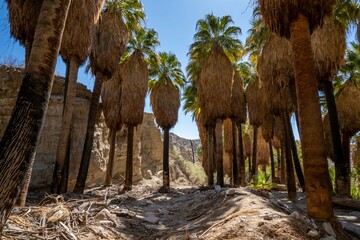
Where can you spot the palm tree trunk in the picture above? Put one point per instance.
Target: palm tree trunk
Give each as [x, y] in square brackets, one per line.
[21, 200]
[235, 166]
[249, 167]
[290, 178]
[278, 162]
[241, 156]
[272, 162]
[65, 127]
[341, 174]
[344, 189]
[219, 153]
[28, 45]
[64, 178]
[317, 179]
[254, 167]
[65, 170]
[210, 157]
[18, 144]
[110, 164]
[93, 111]
[66, 85]
[166, 173]
[129, 159]
[283, 162]
[298, 169]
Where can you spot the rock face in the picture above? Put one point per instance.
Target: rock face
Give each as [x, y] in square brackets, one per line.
[188, 148]
[147, 137]
[10, 81]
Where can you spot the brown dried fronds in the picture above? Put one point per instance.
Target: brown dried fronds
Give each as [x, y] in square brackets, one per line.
[347, 102]
[79, 29]
[214, 87]
[165, 102]
[135, 76]
[280, 14]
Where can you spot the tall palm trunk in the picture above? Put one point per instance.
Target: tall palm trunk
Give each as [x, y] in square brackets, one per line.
[65, 170]
[28, 45]
[110, 164]
[290, 178]
[249, 167]
[317, 179]
[18, 144]
[210, 156]
[342, 182]
[241, 157]
[65, 175]
[272, 162]
[129, 158]
[166, 173]
[298, 169]
[254, 166]
[21, 200]
[278, 162]
[283, 162]
[93, 111]
[235, 163]
[219, 153]
[65, 127]
[345, 190]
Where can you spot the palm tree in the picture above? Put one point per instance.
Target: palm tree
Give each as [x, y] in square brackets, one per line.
[165, 99]
[110, 39]
[21, 136]
[346, 103]
[75, 48]
[254, 99]
[329, 51]
[23, 16]
[110, 105]
[214, 48]
[275, 68]
[135, 77]
[238, 116]
[297, 19]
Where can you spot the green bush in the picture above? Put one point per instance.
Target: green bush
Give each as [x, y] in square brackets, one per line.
[355, 184]
[262, 182]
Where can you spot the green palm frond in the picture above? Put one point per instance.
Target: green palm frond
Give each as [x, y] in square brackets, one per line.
[143, 40]
[212, 31]
[131, 10]
[165, 66]
[190, 100]
[246, 71]
[350, 71]
[259, 33]
[347, 12]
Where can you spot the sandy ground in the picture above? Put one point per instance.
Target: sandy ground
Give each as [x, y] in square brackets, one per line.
[182, 213]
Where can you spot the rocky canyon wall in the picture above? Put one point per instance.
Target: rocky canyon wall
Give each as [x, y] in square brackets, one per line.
[147, 139]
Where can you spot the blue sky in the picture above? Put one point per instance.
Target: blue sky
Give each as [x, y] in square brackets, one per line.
[174, 21]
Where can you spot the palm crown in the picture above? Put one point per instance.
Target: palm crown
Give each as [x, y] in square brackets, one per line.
[141, 40]
[212, 31]
[166, 66]
[131, 10]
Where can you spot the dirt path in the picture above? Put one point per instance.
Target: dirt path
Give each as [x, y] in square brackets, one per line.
[183, 213]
